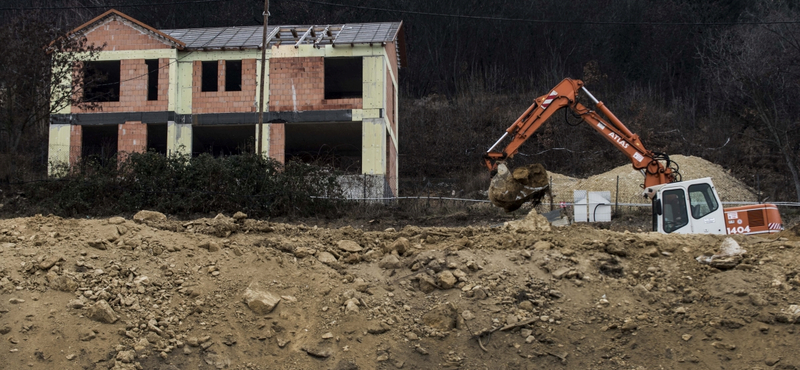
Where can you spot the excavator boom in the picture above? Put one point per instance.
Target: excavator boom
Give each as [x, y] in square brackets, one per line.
[564, 95]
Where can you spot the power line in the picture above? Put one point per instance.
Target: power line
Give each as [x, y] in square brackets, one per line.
[546, 21]
[113, 6]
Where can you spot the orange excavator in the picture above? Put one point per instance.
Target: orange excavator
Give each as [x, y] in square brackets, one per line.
[678, 206]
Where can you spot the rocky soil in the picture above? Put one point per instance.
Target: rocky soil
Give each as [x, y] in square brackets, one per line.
[238, 293]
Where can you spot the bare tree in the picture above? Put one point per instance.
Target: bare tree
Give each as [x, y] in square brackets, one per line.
[756, 69]
[36, 58]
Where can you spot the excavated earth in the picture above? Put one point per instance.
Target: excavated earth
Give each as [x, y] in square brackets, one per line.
[156, 293]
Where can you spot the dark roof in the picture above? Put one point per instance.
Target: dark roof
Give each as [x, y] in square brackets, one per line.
[250, 36]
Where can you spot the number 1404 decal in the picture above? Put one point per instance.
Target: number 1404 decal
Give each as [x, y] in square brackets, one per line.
[739, 230]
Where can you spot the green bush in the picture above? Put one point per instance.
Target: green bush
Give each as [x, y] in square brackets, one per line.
[181, 185]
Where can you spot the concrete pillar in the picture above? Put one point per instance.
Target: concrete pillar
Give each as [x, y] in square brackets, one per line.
[58, 149]
[373, 140]
[179, 138]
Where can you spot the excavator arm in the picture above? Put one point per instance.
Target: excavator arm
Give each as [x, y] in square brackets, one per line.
[564, 95]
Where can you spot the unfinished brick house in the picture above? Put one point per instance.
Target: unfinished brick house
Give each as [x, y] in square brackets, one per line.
[330, 94]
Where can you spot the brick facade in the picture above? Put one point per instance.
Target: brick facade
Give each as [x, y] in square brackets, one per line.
[222, 101]
[75, 144]
[298, 84]
[133, 89]
[120, 34]
[132, 137]
[277, 142]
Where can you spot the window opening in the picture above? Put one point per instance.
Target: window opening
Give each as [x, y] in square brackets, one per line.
[675, 215]
[101, 81]
[343, 78]
[209, 76]
[702, 200]
[233, 75]
[157, 137]
[152, 79]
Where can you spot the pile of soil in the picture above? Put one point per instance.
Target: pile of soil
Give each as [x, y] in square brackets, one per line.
[729, 188]
[238, 293]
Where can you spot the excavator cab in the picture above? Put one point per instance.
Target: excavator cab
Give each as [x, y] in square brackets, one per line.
[687, 207]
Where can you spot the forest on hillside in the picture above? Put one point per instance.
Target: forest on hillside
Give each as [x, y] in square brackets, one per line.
[719, 79]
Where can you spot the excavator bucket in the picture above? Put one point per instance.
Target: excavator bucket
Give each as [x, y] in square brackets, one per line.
[509, 190]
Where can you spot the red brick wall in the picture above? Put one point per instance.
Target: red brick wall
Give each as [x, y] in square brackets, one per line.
[133, 89]
[222, 101]
[391, 52]
[117, 35]
[75, 143]
[390, 94]
[132, 137]
[391, 165]
[277, 142]
[307, 75]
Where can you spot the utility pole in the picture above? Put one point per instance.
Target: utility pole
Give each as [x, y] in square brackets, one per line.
[264, 47]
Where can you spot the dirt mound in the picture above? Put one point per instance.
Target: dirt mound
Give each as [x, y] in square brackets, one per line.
[237, 293]
[729, 188]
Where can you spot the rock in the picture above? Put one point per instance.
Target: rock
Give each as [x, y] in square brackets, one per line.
[351, 306]
[772, 360]
[441, 317]
[446, 279]
[467, 315]
[98, 244]
[260, 301]
[76, 304]
[16, 301]
[686, 337]
[361, 285]
[107, 233]
[401, 246]
[561, 272]
[149, 216]
[526, 305]
[5, 330]
[326, 258]
[303, 252]
[731, 323]
[377, 328]
[213, 247]
[327, 335]
[652, 252]
[426, 283]
[390, 262]
[61, 283]
[49, 262]
[102, 312]
[317, 352]
[238, 216]
[349, 246]
[86, 335]
[542, 245]
[126, 356]
[116, 220]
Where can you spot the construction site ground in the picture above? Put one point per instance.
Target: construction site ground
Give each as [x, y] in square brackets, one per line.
[159, 293]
